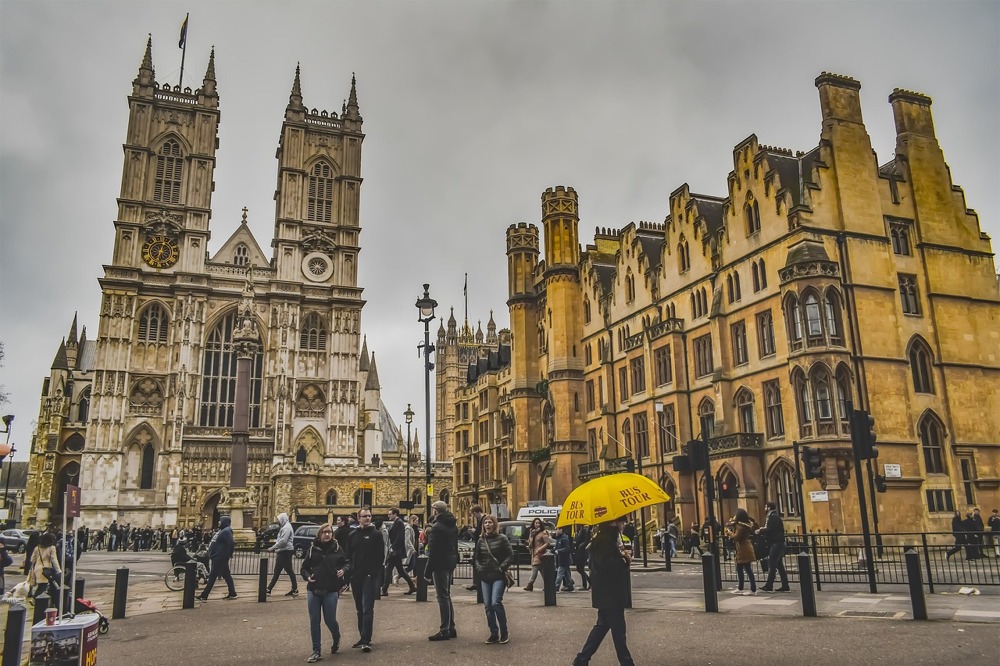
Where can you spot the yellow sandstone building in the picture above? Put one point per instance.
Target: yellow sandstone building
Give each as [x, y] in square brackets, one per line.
[819, 278]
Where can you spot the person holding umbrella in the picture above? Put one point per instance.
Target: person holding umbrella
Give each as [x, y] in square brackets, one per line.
[609, 584]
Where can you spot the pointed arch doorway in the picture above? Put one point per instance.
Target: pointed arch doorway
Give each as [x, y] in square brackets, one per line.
[210, 512]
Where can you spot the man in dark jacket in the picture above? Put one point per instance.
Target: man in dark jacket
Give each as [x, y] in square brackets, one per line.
[774, 530]
[442, 558]
[994, 524]
[563, 550]
[365, 553]
[220, 551]
[609, 592]
[397, 550]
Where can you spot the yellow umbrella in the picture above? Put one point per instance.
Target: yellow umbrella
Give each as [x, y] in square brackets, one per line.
[609, 497]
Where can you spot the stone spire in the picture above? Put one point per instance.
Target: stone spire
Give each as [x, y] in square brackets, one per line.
[479, 331]
[491, 330]
[372, 383]
[208, 83]
[452, 335]
[352, 100]
[60, 362]
[363, 365]
[72, 331]
[295, 97]
[145, 81]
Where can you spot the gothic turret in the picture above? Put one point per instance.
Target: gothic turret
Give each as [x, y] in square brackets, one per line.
[491, 330]
[208, 94]
[351, 116]
[295, 97]
[372, 384]
[145, 81]
[452, 328]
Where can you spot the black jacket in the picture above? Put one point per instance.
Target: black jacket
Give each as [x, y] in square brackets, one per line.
[322, 563]
[397, 537]
[222, 545]
[563, 550]
[365, 552]
[609, 570]
[442, 543]
[774, 529]
[491, 568]
[580, 543]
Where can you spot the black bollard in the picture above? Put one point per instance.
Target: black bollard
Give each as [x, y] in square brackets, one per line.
[262, 581]
[121, 593]
[13, 636]
[915, 580]
[806, 585]
[708, 575]
[41, 603]
[667, 559]
[549, 578]
[190, 583]
[418, 570]
[81, 585]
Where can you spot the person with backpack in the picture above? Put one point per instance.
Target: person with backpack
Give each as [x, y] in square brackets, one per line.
[325, 572]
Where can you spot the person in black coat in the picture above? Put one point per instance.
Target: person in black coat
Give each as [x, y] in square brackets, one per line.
[609, 592]
[365, 552]
[580, 553]
[774, 530]
[220, 550]
[397, 551]
[442, 558]
[957, 531]
[324, 570]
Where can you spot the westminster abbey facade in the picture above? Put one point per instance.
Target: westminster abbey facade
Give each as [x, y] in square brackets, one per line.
[753, 318]
[140, 417]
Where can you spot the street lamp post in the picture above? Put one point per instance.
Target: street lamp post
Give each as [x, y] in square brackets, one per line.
[7, 450]
[425, 306]
[408, 414]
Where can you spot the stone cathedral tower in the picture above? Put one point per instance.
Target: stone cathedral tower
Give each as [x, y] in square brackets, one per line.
[141, 416]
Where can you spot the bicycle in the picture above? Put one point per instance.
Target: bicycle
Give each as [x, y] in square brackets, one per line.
[174, 578]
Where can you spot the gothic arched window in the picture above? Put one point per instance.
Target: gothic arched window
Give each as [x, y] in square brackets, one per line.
[169, 165]
[932, 442]
[793, 322]
[331, 498]
[683, 256]
[321, 193]
[153, 324]
[218, 387]
[820, 381]
[802, 407]
[744, 406]
[751, 212]
[814, 323]
[774, 417]
[83, 406]
[627, 438]
[920, 366]
[641, 436]
[762, 271]
[782, 489]
[843, 395]
[241, 255]
[313, 335]
[146, 467]
[300, 456]
[755, 277]
[831, 311]
[706, 415]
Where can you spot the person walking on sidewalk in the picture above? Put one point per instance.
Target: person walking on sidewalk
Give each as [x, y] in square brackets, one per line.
[365, 550]
[609, 585]
[774, 531]
[283, 549]
[994, 523]
[538, 543]
[581, 553]
[220, 551]
[957, 531]
[493, 557]
[563, 549]
[397, 549]
[442, 558]
[741, 527]
[324, 571]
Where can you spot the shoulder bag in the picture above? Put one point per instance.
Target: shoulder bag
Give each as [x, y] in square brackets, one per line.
[507, 575]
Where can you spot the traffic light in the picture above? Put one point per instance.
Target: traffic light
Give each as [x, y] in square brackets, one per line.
[863, 435]
[698, 453]
[812, 462]
[682, 464]
[880, 483]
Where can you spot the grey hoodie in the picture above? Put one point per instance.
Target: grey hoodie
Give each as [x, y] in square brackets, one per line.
[284, 540]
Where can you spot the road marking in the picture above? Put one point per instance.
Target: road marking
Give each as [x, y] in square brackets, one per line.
[975, 613]
[860, 600]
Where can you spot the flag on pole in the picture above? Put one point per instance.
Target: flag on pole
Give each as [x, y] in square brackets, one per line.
[184, 33]
[73, 501]
[465, 289]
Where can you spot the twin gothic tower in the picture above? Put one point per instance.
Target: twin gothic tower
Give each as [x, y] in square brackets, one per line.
[141, 416]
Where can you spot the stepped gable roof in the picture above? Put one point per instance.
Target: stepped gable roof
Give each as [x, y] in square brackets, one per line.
[794, 171]
[652, 245]
[605, 276]
[710, 209]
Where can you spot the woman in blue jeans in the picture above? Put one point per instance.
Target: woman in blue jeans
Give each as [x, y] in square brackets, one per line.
[493, 556]
[323, 571]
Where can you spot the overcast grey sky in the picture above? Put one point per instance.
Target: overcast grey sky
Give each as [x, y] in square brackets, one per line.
[471, 110]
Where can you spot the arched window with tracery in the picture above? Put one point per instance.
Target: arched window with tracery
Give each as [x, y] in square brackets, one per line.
[241, 255]
[843, 396]
[831, 312]
[802, 403]
[744, 407]
[814, 322]
[83, 406]
[153, 324]
[313, 334]
[920, 366]
[218, 387]
[331, 497]
[321, 193]
[782, 489]
[627, 438]
[641, 436]
[683, 256]
[819, 381]
[773, 415]
[793, 322]
[932, 442]
[706, 416]
[751, 213]
[169, 169]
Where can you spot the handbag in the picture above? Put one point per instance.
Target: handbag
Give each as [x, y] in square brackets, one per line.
[508, 577]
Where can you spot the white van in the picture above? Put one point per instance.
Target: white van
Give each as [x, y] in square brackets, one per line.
[549, 513]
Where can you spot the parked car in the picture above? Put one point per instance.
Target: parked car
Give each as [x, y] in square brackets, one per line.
[267, 536]
[15, 540]
[302, 538]
[516, 532]
[466, 549]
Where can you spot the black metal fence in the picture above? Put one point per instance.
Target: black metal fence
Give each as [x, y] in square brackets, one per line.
[839, 558]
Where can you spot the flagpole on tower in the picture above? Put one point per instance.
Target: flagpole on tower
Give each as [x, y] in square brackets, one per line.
[182, 44]
[465, 292]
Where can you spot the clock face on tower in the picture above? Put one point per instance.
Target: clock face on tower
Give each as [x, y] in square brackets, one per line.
[160, 252]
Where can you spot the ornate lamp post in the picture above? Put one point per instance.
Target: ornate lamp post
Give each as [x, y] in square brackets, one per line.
[408, 414]
[425, 306]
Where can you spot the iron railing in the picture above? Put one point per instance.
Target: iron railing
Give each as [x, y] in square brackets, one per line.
[839, 558]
